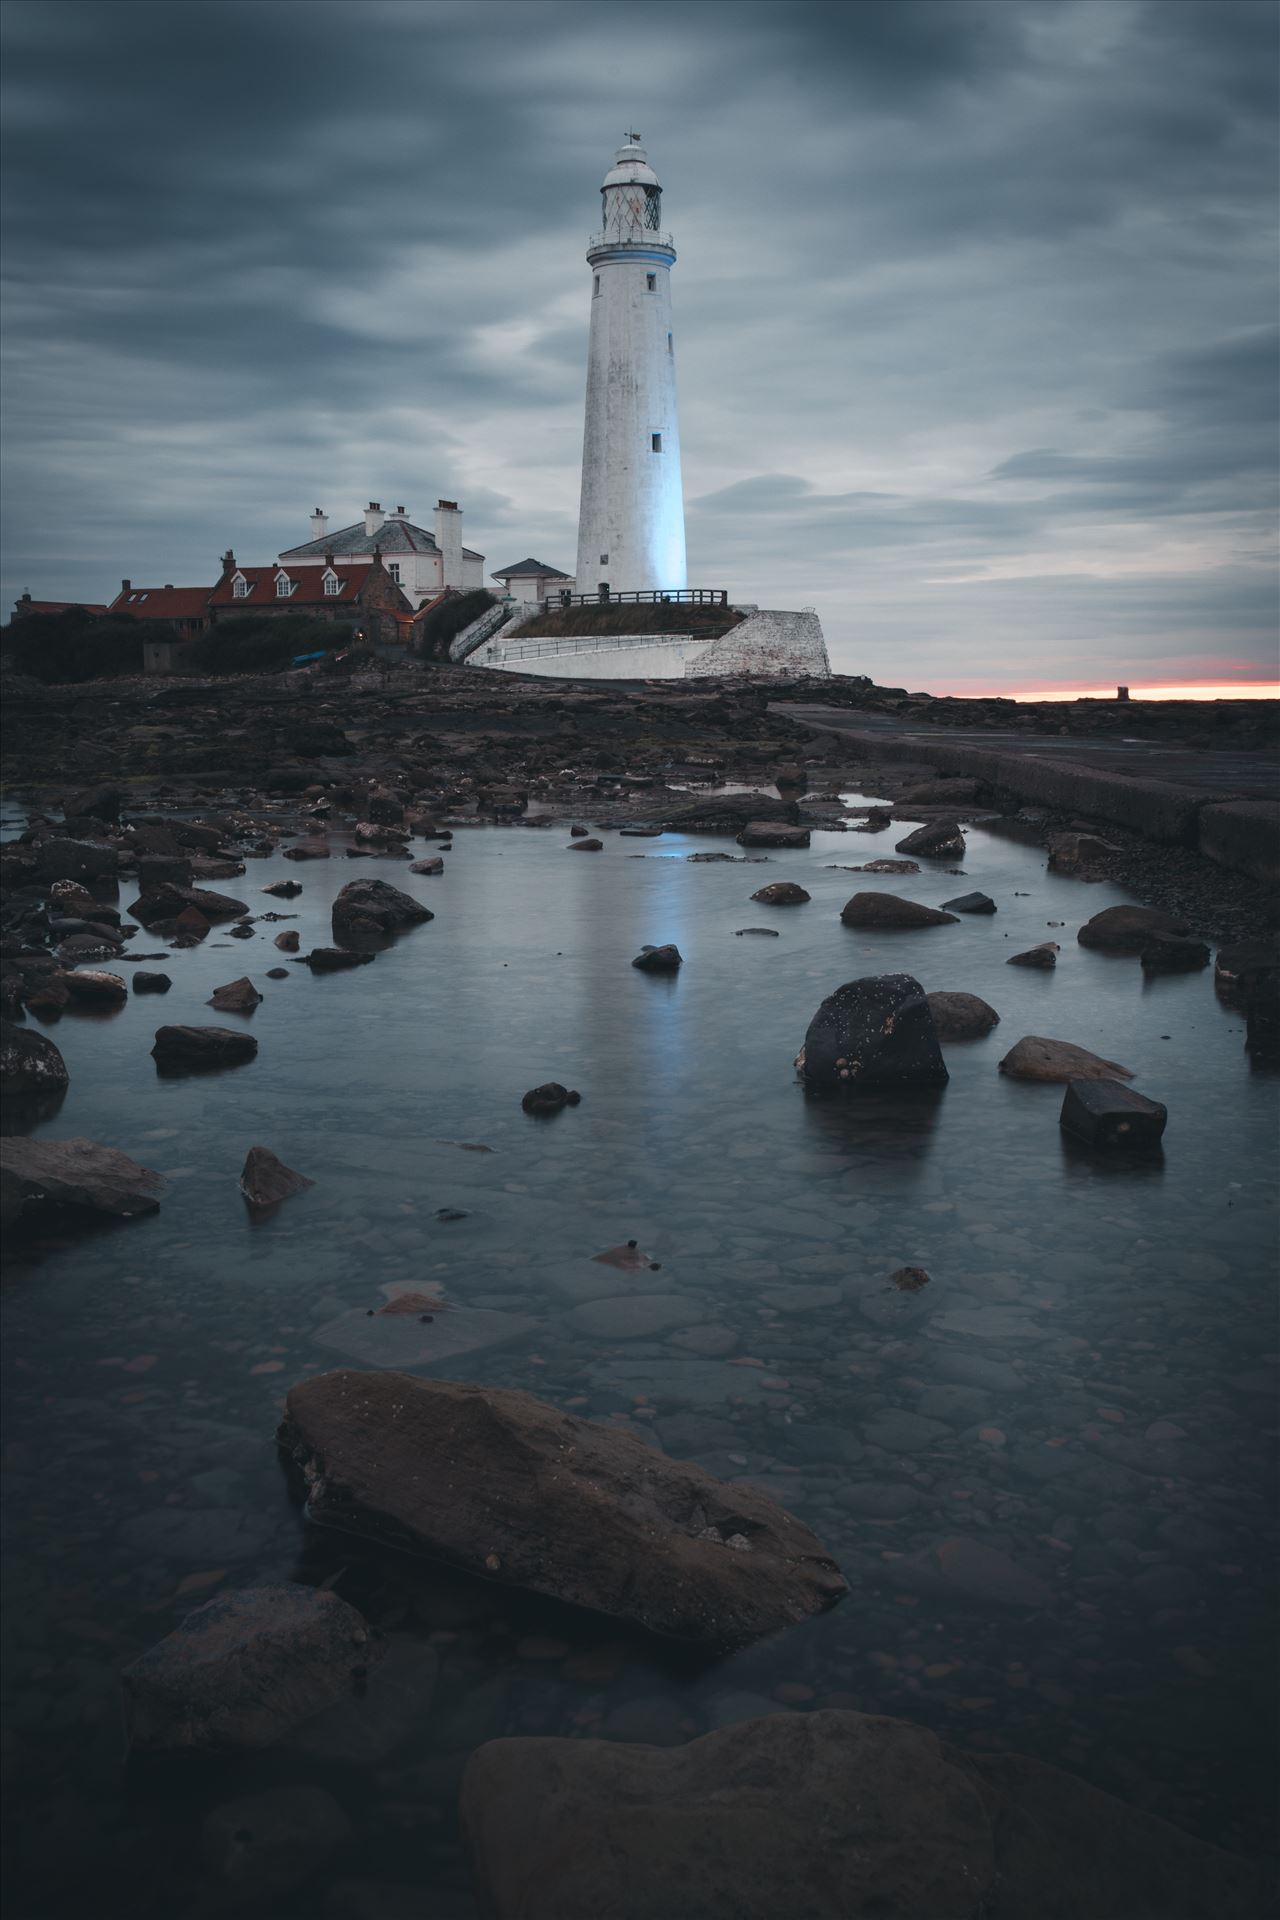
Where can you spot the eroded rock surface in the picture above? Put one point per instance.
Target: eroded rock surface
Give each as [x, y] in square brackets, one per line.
[29, 1063]
[874, 1032]
[891, 911]
[503, 1485]
[78, 1174]
[1035, 1058]
[376, 902]
[265, 1180]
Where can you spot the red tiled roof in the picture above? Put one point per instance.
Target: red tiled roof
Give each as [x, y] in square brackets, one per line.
[61, 606]
[308, 586]
[162, 603]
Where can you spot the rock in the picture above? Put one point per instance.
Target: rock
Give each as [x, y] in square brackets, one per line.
[265, 1180]
[499, 1484]
[767, 933]
[238, 996]
[370, 834]
[434, 865]
[721, 810]
[385, 808]
[831, 1815]
[549, 1098]
[192, 924]
[578, 832]
[284, 889]
[288, 941]
[970, 903]
[887, 866]
[1238, 962]
[75, 860]
[939, 839]
[888, 911]
[29, 1063]
[335, 959]
[308, 850]
[1034, 1058]
[1076, 852]
[92, 803]
[373, 900]
[191, 1049]
[1262, 1017]
[874, 1032]
[144, 982]
[241, 931]
[586, 846]
[1105, 1114]
[782, 893]
[156, 870]
[667, 959]
[277, 973]
[1173, 953]
[941, 793]
[77, 1174]
[170, 902]
[95, 989]
[1045, 956]
[1128, 929]
[772, 833]
[367, 1726]
[68, 896]
[267, 1843]
[246, 1668]
[961, 1016]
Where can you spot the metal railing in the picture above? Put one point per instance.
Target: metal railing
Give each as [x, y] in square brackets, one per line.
[499, 652]
[648, 597]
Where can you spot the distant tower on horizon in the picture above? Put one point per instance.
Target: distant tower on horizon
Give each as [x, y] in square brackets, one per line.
[631, 517]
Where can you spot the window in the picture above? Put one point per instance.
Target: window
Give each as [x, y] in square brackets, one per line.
[240, 588]
[393, 568]
[604, 559]
[651, 282]
[332, 584]
[670, 348]
[653, 208]
[655, 441]
[284, 586]
[595, 291]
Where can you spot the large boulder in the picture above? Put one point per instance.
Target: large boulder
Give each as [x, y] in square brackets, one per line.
[664, 959]
[190, 1049]
[76, 860]
[79, 1175]
[1035, 1058]
[889, 912]
[740, 810]
[29, 1063]
[500, 1484]
[244, 1669]
[939, 839]
[772, 833]
[92, 803]
[237, 996]
[831, 1815]
[168, 902]
[335, 959]
[874, 1032]
[961, 1016]
[1128, 929]
[781, 893]
[365, 904]
[265, 1180]
[90, 988]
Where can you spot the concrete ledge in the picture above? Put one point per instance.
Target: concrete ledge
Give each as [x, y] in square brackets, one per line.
[1244, 834]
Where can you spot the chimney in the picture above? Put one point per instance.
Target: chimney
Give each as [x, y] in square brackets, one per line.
[228, 561]
[373, 518]
[319, 524]
[168, 586]
[126, 586]
[449, 541]
[402, 513]
[328, 556]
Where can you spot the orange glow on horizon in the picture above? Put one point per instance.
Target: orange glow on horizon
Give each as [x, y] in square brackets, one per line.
[1238, 690]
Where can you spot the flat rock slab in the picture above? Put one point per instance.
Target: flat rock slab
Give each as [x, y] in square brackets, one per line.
[500, 1484]
[335, 959]
[772, 833]
[1128, 929]
[1035, 1058]
[77, 1174]
[830, 1815]
[406, 1341]
[888, 911]
[197, 1049]
[1103, 1113]
[244, 1669]
[635, 1316]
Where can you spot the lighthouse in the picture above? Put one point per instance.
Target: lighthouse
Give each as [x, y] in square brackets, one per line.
[631, 517]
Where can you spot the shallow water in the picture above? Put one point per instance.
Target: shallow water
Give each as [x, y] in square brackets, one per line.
[1073, 1304]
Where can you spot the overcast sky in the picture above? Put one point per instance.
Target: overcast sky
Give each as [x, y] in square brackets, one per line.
[975, 302]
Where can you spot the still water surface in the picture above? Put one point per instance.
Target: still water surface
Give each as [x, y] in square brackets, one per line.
[1086, 1386]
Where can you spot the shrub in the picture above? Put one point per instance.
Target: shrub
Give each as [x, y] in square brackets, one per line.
[62, 647]
[446, 621]
[265, 643]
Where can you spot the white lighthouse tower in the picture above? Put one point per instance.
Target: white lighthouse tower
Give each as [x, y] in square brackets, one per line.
[631, 518]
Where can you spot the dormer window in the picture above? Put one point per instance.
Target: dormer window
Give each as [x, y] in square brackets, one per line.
[284, 586]
[332, 584]
[240, 587]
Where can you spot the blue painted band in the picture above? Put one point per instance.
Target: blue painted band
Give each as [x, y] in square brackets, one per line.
[610, 255]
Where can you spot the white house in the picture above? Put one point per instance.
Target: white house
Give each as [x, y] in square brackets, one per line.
[531, 581]
[421, 563]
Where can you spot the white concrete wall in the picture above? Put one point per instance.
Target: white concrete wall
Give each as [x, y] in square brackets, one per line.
[632, 501]
[768, 643]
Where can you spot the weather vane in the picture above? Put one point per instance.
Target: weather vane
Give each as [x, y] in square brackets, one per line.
[634, 138]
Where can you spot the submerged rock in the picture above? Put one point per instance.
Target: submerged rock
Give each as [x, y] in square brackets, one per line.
[1105, 1114]
[666, 959]
[335, 959]
[874, 1032]
[782, 893]
[265, 1180]
[244, 1669]
[144, 982]
[772, 833]
[1173, 953]
[267, 1843]
[1128, 929]
[76, 1174]
[238, 996]
[961, 1016]
[549, 1098]
[500, 1484]
[890, 911]
[970, 903]
[374, 900]
[586, 846]
[834, 1815]
[188, 1049]
[1035, 1058]
[29, 1063]
[1045, 956]
[939, 839]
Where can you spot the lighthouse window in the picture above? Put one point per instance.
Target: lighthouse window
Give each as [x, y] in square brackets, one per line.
[596, 289]
[655, 440]
[604, 559]
[670, 348]
[651, 282]
[653, 207]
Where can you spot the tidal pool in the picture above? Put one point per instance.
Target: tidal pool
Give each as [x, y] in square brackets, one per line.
[1085, 1387]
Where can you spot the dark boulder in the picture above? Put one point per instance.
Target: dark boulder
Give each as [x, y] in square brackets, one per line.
[938, 839]
[245, 1669]
[1239, 962]
[1078, 853]
[500, 1484]
[970, 903]
[772, 833]
[362, 902]
[238, 996]
[873, 1032]
[265, 1180]
[888, 911]
[1103, 1113]
[549, 1098]
[586, 846]
[288, 941]
[284, 889]
[92, 803]
[1128, 929]
[782, 893]
[78, 1175]
[76, 860]
[89, 988]
[1173, 953]
[667, 959]
[191, 1049]
[1045, 956]
[170, 903]
[1035, 1058]
[29, 1063]
[432, 865]
[151, 982]
[335, 959]
[156, 870]
[961, 1016]
[308, 850]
